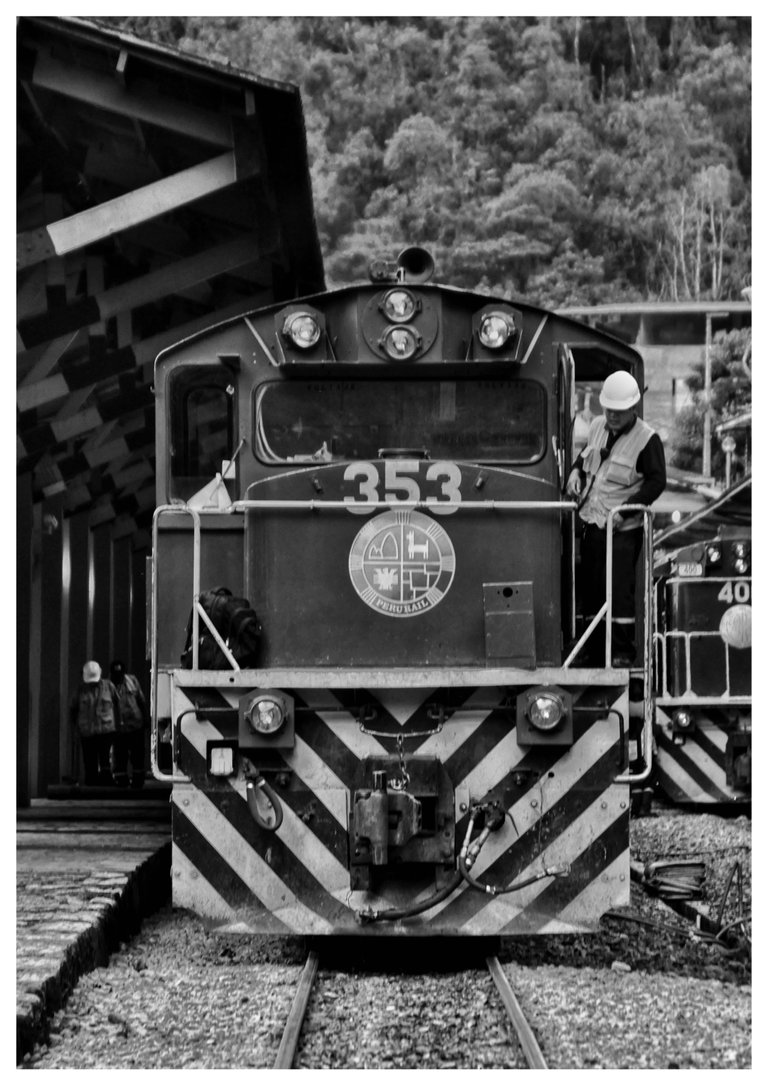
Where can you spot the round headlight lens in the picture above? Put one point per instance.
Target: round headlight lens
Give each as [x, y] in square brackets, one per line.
[741, 565]
[399, 306]
[302, 329]
[682, 719]
[740, 550]
[495, 330]
[265, 715]
[714, 554]
[545, 712]
[400, 343]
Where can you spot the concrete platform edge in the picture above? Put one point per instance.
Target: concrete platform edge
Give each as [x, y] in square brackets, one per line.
[43, 982]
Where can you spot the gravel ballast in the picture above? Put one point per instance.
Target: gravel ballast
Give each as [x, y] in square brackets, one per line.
[628, 996]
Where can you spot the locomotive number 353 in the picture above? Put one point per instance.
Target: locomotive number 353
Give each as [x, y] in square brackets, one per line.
[402, 483]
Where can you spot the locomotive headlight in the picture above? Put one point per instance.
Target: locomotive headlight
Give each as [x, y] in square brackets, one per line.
[682, 719]
[265, 715]
[714, 554]
[495, 330]
[545, 711]
[544, 717]
[399, 306]
[303, 329]
[740, 552]
[400, 342]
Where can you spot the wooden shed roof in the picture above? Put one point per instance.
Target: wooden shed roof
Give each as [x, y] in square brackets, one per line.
[157, 193]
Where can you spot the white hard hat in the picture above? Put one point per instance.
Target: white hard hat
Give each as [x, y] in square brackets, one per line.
[619, 392]
[91, 672]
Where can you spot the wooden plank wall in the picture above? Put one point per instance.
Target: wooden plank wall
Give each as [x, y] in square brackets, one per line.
[80, 595]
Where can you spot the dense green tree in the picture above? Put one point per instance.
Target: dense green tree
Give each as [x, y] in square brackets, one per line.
[570, 158]
[731, 395]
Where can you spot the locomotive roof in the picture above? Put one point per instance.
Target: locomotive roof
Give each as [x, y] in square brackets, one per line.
[733, 509]
[596, 350]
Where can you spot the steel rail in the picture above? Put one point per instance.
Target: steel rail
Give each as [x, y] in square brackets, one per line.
[290, 1039]
[533, 1055]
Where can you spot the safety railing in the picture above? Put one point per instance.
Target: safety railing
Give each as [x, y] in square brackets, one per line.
[187, 510]
[488, 505]
[664, 641]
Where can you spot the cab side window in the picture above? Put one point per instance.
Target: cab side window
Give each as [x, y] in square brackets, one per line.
[202, 408]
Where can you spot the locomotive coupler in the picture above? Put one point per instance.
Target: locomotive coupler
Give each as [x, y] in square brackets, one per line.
[383, 818]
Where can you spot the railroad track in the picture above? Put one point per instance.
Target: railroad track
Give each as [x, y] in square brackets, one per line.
[289, 1042]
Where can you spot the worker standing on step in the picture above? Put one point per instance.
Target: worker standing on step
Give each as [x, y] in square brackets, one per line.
[622, 463]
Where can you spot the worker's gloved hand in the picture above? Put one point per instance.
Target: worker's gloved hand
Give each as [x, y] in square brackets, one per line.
[573, 486]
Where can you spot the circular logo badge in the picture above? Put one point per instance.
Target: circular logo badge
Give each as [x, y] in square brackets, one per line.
[736, 626]
[402, 563]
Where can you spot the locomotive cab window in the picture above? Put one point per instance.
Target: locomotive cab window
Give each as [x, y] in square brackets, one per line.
[202, 416]
[495, 421]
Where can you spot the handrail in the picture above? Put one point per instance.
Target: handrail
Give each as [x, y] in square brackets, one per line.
[315, 505]
[154, 737]
[648, 708]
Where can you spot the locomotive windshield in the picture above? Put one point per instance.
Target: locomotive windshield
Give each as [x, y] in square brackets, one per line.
[495, 421]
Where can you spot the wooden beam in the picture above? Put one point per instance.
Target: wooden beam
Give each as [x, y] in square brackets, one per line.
[170, 279]
[103, 454]
[142, 101]
[144, 353]
[123, 212]
[77, 425]
[38, 364]
[42, 393]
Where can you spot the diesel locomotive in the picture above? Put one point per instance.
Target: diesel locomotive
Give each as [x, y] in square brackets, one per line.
[702, 657]
[378, 471]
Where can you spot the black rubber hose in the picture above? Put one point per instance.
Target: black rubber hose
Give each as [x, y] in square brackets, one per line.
[269, 792]
[494, 891]
[414, 910]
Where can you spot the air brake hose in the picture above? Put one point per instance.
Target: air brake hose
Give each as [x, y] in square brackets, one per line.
[253, 807]
[494, 891]
[367, 916]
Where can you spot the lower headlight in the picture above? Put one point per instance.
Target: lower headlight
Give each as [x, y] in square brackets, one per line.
[545, 711]
[682, 719]
[400, 342]
[265, 715]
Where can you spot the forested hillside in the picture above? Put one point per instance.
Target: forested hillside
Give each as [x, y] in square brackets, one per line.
[572, 159]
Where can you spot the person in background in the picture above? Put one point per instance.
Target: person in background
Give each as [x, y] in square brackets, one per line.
[622, 463]
[95, 713]
[134, 720]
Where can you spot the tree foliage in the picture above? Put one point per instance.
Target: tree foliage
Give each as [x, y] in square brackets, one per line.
[730, 396]
[576, 159]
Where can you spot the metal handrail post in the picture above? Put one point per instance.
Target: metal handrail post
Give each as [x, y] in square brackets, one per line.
[154, 739]
[648, 708]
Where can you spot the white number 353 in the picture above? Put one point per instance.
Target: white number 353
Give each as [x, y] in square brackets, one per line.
[401, 483]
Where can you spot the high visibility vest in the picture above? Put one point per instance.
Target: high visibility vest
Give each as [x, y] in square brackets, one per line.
[129, 695]
[95, 709]
[615, 480]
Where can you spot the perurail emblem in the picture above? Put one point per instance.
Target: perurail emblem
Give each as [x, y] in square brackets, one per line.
[402, 563]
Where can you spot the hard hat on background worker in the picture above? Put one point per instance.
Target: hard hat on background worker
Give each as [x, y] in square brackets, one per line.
[619, 392]
[91, 672]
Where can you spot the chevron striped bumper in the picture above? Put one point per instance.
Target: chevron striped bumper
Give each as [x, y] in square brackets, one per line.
[562, 810]
[707, 763]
